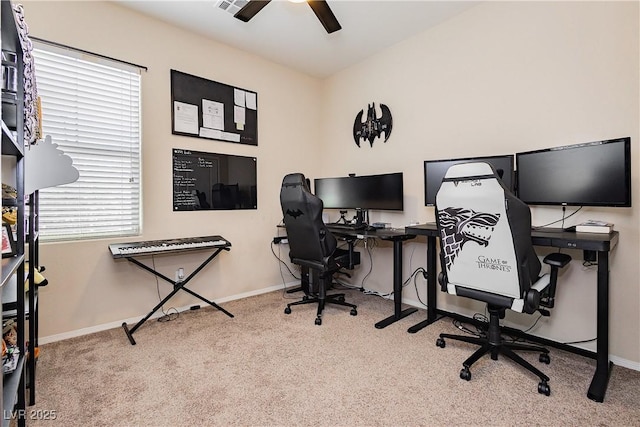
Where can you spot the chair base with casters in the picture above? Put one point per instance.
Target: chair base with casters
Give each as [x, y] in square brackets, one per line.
[493, 343]
[337, 299]
[319, 296]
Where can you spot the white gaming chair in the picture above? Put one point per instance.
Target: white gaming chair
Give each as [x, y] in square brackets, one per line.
[487, 255]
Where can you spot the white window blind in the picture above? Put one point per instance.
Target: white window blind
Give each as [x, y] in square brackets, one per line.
[91, 109]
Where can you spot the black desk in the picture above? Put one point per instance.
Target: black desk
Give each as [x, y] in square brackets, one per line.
[397, 237]
[602, 244]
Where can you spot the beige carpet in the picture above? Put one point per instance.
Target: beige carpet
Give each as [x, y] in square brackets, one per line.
[265, 368]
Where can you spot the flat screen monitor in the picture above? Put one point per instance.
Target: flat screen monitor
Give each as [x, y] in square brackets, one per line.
[377, 192]
[435, 170]
[592, 174]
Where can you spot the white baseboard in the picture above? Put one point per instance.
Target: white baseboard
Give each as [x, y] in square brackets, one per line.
[619, 361]
[105, 326]
[118, 323]
[624, 362]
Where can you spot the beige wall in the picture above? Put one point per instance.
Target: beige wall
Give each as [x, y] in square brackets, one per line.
[87, 287]
[500, 78]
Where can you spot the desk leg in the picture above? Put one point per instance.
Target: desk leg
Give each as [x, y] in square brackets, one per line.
[432, 287]
[398, 313]
[600, 379]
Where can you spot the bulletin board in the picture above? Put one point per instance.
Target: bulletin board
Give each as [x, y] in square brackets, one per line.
[204, 108]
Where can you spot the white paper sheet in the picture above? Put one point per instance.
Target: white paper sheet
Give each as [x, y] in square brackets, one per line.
[212, 114]
[250, 98]
[238, 97]
[185, 117]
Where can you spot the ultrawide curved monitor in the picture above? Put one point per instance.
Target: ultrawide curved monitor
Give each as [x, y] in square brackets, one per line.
[378, 192]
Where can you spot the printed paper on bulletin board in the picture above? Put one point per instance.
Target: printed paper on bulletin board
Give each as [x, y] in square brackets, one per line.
[204, 108]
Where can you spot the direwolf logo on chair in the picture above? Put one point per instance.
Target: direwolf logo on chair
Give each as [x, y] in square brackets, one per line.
[460, 226]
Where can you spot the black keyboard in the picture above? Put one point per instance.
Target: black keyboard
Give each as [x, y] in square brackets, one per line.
[341, 226]
[552, 229]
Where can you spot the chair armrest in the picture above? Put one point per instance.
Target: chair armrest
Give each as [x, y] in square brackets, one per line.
[557, 259]
[442, 279]
[315, 265]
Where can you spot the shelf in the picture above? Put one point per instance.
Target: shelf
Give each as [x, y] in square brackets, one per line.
[9, 97]
[10, 300]
[10, 389]
[13, 274]
[9, 267]
[9, 63]
[10, 145]
[10, 38]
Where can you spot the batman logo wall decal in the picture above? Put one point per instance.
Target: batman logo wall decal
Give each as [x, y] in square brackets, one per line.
[373, 126]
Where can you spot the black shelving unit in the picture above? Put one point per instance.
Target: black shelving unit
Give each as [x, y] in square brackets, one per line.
[31, 307]
[13, 273]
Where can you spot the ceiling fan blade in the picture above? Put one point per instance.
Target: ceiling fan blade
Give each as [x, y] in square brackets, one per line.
[325, 15]
[249, 10]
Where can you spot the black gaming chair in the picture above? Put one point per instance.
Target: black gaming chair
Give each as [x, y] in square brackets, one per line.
[487, 255]
[311, 244]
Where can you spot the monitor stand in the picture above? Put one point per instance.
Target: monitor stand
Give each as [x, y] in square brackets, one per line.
[360, 217]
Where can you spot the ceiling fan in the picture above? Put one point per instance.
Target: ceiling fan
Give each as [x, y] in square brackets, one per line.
[320, 8]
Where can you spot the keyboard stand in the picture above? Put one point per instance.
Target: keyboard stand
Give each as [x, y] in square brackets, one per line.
[177, 286]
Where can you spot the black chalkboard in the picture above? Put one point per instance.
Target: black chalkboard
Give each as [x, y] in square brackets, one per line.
[204, 108]
[211, 181]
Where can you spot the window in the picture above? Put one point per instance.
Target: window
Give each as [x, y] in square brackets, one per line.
[91, 110]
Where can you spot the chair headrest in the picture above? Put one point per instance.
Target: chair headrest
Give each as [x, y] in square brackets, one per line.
[471, 169]
[294, 180]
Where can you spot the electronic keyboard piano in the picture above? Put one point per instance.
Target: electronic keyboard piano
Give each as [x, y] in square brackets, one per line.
[131, 250]
[153, 247]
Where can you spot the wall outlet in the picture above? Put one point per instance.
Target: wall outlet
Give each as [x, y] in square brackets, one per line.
[179, 274]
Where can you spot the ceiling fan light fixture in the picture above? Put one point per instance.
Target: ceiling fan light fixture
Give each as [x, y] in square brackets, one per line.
[319, 7]
[297, 1]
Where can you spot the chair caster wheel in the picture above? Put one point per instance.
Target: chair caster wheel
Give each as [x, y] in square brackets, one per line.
[543, 388]
[544, 358]
[318, 321]
[287, 310]
[465, 374]
[354, 312]
[440, 342]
